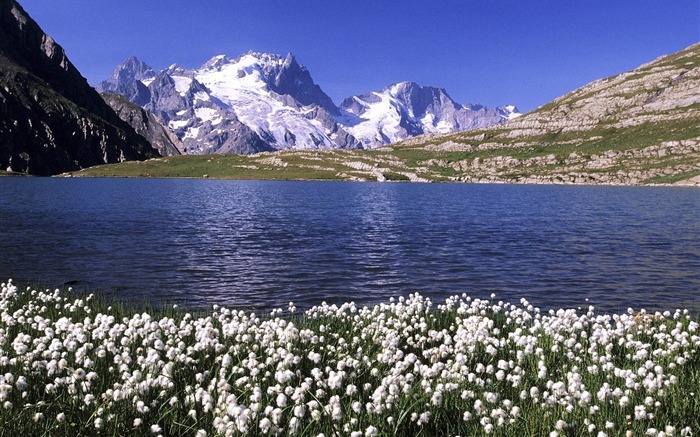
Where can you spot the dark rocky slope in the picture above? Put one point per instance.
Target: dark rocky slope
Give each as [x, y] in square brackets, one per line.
[51, 120]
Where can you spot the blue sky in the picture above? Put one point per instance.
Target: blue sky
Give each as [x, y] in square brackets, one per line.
[481, 51]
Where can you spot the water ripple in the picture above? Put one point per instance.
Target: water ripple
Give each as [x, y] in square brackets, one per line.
[263, 244]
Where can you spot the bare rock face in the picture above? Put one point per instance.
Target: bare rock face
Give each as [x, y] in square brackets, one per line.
[131, 70]
[290, 78]
[145, 124]
[51, 120]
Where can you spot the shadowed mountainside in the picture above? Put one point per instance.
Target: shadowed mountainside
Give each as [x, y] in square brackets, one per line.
[51, 120]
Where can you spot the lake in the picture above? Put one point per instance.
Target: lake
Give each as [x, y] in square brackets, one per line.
[266, 243]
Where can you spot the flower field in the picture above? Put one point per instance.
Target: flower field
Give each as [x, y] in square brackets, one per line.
[72, 365]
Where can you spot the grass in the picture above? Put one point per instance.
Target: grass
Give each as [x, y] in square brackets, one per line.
[671, 179]
[202, 166]
[406, 367]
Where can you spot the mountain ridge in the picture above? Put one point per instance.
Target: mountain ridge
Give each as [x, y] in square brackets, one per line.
[407, 109]
[276, 98]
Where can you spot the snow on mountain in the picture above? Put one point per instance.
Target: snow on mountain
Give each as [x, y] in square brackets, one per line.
[263, 102]
[407, 109]
[256, 102]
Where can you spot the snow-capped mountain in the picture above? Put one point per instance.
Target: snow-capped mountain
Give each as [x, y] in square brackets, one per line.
[257, 102]
[407, 109]
[264, 102]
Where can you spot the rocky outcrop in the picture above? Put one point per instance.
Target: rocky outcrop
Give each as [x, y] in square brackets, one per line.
[51, 120]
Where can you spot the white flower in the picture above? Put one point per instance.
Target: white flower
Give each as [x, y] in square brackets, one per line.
[281, 400]
[265, 425]
[155, 428]
[371, 431]
[294, 426]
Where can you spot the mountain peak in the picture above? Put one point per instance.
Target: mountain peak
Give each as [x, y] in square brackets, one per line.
[263, 59]
[132, 60]
[510, 112]
[410, 91]
[406, 84]
[216, 62]
[132, 69]
[176, 70]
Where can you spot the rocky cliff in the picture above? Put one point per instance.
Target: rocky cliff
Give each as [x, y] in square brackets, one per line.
[51, 120]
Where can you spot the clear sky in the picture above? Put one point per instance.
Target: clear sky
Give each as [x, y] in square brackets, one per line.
[492, 52]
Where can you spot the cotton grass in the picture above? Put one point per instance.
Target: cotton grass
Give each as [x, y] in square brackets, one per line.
[73, 366]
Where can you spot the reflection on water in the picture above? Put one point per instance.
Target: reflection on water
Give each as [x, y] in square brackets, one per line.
[267, 243]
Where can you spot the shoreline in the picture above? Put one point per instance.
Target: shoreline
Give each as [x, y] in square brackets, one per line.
[693, 182]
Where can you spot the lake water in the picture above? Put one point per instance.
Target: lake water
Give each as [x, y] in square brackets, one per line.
[264, 243]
